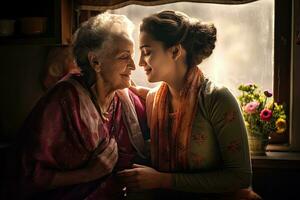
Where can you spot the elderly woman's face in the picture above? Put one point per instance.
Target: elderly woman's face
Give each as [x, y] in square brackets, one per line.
[116, 66]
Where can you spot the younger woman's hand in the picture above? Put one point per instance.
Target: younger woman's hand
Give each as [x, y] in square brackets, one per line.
[139, 91]
[143, 177]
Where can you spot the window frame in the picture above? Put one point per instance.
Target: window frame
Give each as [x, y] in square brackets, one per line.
[283, 26]
[294, 144]
[282, 63]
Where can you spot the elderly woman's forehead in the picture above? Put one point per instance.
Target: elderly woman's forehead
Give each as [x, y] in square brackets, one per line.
[123, 44]
[123, 38]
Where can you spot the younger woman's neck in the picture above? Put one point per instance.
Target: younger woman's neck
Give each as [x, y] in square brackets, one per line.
[177, 81]
[175, 91]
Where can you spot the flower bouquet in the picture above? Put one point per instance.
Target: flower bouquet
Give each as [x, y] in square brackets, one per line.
[262, 116]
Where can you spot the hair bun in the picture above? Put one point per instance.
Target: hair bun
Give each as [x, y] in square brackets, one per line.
[200, 41]
[174, 27]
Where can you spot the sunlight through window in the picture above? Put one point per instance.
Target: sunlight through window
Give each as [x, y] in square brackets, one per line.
[245, 40]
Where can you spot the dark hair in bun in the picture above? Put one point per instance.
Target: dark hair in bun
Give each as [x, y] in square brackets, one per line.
[171, 28]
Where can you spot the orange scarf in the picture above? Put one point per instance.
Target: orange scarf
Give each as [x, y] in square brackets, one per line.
[170, 138]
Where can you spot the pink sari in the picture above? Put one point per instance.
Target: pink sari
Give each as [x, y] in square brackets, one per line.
[63, 132]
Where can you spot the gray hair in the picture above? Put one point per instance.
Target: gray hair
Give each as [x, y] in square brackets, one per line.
[98, 34]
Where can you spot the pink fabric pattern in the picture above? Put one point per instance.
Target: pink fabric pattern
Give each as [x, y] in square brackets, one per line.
[63, 132]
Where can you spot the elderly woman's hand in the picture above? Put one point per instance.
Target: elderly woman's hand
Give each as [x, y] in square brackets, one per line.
[139, 91]
[143, 177]
[104, 163]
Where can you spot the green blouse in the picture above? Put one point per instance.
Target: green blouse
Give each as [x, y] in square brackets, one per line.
[219, 153]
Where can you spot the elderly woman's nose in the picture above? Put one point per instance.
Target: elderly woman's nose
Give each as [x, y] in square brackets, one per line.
[131, 64]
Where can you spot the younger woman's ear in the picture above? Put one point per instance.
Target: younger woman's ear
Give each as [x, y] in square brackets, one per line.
[176, 51]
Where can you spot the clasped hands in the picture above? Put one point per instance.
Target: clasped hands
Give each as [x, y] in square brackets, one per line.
[142, 177]
[139, 177]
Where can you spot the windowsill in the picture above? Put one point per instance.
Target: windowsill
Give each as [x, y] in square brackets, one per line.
[279, 147]
[278, 156]
[278, 160]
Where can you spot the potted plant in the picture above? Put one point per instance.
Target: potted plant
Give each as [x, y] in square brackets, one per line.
[262, 116]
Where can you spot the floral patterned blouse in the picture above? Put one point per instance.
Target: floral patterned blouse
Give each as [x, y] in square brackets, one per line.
[219, 154]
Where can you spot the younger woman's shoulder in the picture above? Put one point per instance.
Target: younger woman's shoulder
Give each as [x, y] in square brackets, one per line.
[153, 91]
[151, 94]
[212, 92]
[210, 88]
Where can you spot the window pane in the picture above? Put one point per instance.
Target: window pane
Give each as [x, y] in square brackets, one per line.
[245, 40]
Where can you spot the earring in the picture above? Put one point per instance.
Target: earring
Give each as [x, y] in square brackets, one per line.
[98, 66]
[97, 69]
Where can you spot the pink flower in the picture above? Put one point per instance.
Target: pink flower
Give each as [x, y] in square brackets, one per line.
[265, 114]
[251, 107]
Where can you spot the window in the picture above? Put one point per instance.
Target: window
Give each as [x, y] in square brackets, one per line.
[244, 49]
[254, 42]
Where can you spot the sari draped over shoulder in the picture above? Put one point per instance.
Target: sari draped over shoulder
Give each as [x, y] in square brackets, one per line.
[63, 133]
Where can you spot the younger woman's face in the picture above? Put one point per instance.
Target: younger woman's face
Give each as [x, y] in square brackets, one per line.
[155, 59]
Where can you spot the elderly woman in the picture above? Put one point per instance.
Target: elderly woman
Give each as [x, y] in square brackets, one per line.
[88, 125]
